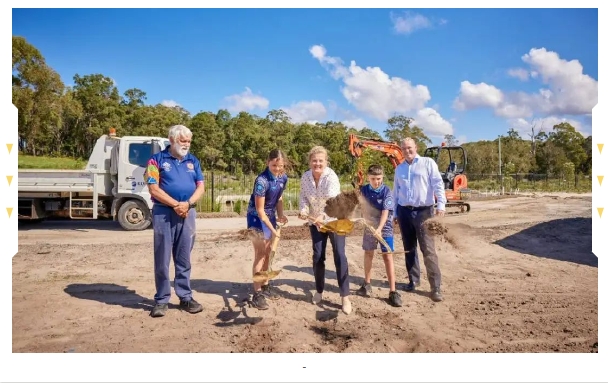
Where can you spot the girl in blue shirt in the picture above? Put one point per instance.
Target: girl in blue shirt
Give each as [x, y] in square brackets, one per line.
[265, 204]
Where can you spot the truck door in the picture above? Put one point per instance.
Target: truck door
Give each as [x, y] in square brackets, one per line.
[134, 155]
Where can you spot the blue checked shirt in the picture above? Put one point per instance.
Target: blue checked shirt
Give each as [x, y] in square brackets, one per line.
[417, 184]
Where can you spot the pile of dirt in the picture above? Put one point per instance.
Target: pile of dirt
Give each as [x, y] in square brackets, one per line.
[343, 205]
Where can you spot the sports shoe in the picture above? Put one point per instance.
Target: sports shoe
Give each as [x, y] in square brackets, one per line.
[365, 290]
[191, 306]
[394, 299]
[159, 310]
[259, 301]
[270, 292]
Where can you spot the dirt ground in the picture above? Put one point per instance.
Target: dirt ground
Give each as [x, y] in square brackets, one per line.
[518, 276]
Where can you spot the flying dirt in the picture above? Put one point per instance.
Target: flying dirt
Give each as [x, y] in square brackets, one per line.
[343, 205]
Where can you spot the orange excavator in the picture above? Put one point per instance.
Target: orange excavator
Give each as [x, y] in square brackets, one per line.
[454, 177]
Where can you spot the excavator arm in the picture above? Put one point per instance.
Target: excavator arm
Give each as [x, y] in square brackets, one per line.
[356, 145]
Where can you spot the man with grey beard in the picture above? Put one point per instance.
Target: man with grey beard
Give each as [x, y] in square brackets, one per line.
[176, 182]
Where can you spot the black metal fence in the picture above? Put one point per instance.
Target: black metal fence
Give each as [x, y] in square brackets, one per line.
[530, 182]
[229, 193]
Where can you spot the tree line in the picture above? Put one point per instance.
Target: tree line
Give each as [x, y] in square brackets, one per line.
[56, 120]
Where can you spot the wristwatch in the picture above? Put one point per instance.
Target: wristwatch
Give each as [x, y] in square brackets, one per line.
[192, 205]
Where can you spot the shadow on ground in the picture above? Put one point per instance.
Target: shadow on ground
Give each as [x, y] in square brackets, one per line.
[567, 239]
[110, 294]
[67, 224]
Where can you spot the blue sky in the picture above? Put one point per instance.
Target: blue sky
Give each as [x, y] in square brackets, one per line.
[471, 73]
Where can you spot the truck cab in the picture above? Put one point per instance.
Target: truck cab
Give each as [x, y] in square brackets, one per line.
[127, 174]
[111, 185]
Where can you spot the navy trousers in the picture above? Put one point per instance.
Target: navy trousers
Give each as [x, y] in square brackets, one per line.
[338, 243]
[173, 238]
[413, 232]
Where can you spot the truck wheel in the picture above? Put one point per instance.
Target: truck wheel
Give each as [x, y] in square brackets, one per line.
[134, 215]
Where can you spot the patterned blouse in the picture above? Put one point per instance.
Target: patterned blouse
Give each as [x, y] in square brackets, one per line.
[313, 198]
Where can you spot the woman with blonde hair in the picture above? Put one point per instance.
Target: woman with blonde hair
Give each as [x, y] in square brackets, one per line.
[318, 184]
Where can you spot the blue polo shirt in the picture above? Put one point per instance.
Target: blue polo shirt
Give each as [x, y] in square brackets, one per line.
[177, 178]
[271, 188]
[379, 199]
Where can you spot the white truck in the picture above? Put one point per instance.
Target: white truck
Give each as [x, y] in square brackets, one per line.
[111, 185]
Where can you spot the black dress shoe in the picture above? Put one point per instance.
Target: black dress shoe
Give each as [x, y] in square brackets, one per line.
[410, 286]
[436, 295]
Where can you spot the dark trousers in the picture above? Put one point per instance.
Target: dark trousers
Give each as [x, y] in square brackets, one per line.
[413, 231]
[173, 236]
[338, 243]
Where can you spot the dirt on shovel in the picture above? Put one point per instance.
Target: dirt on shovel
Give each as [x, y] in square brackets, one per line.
[343, 205]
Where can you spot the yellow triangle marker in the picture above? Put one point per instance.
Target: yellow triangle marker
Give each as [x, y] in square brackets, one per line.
[10, 179]
[599, 178]
[600, 210]
[9, 210]
[10, 147]
[599, 147]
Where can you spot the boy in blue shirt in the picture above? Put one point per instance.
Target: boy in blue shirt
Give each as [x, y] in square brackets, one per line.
[377, 209]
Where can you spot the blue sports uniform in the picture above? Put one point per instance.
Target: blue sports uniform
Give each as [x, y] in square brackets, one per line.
[378, 200]
[271, 188]
[172, 233]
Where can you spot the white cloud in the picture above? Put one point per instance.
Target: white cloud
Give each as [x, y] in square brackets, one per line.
[347, 117]
[568, 91]
[169, 103]
[357, 123]
[432, 122]
[519, 73]
[461, 139]
[478, 96]
[306, 111]
[380, 96]
[246, 101]
[410, 22]
[524, 126]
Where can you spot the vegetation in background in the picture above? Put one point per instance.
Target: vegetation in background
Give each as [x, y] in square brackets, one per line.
[59, 126]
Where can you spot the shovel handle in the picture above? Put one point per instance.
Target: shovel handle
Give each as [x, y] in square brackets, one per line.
[275, 239]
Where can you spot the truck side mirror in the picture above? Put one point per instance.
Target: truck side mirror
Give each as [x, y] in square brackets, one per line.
[155, 147]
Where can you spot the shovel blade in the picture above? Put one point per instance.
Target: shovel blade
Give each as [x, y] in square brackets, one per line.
[263, 276]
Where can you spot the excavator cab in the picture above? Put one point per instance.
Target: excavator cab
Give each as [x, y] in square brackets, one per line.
[452, 163]
[451, 160]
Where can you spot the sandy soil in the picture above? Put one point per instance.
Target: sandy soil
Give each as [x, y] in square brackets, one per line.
[518, 276]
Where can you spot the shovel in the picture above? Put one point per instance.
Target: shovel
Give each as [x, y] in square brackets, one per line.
[346, 226]
[263, 276]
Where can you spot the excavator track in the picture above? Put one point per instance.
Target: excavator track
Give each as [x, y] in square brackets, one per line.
[452, 208]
